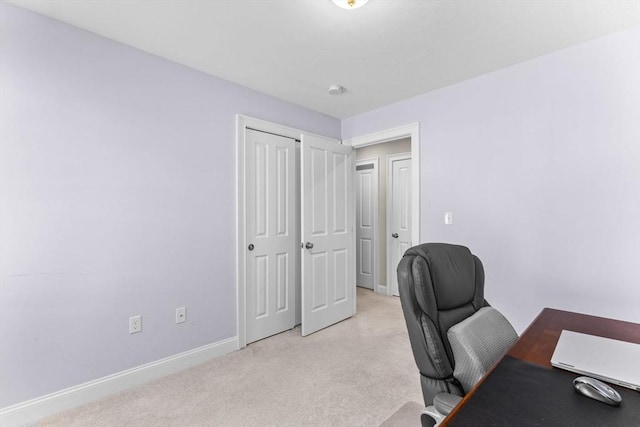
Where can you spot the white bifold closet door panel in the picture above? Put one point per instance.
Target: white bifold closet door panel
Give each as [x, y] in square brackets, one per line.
[270, 233]
[328, 222]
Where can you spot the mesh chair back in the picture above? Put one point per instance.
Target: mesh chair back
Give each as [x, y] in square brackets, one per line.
[477, 343]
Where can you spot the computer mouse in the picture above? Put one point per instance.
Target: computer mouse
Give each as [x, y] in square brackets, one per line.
[597, 390]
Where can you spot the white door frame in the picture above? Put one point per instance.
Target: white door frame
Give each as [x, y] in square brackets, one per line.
[390, 270]
[376, 205]
[411, 131]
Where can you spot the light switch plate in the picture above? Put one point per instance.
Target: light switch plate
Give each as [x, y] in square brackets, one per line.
[181, 314]
[448, 218]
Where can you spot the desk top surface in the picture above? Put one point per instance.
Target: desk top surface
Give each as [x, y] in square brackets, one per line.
[538, 342]
[519, 393]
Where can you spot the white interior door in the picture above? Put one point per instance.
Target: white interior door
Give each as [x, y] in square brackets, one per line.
[398, 214]
[272, 245]
[328, 222]
[366, 219]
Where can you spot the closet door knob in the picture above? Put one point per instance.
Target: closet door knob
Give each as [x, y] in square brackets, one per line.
[394, 235]
[251, 247]
[309, 245]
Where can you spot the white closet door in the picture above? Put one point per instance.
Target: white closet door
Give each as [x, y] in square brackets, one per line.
[272, 244]
[328, 222]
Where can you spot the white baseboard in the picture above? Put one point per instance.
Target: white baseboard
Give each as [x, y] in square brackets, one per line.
[35, 409]
[382, 289]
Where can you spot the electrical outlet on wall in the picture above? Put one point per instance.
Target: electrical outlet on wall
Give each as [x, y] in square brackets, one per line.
[135, 324]
[181, 314]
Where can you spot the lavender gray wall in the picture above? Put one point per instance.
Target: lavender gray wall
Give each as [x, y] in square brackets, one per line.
[540, 164]
[117, 174]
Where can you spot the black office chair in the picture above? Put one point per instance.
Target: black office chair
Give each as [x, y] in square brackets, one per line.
[455, 335]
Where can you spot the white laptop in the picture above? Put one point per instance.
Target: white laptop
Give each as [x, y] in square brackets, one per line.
[609, 360]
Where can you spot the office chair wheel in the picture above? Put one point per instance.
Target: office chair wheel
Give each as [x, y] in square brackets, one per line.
[427, 421]
[430, 417]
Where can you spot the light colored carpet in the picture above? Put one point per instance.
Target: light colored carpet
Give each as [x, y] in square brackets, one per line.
[407, 416]
[356, 373]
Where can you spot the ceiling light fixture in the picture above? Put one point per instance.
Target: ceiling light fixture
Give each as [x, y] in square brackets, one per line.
[350, 4]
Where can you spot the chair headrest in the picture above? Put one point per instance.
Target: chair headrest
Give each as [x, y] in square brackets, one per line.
[453, 272]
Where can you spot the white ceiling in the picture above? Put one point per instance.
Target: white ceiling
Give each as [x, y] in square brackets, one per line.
[384, 52]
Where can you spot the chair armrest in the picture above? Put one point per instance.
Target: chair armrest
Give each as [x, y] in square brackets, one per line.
[445, 402]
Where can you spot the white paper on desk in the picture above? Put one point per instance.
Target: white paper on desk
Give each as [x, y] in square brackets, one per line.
[607, 359]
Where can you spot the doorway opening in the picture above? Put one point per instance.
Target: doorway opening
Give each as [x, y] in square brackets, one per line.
[382, 217]
[386, 224]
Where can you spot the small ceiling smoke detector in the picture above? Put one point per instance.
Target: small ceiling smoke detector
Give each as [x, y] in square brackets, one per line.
[336, 90]
[349, 4]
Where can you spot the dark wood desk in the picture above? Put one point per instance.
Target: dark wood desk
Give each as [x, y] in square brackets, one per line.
[538, 342]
